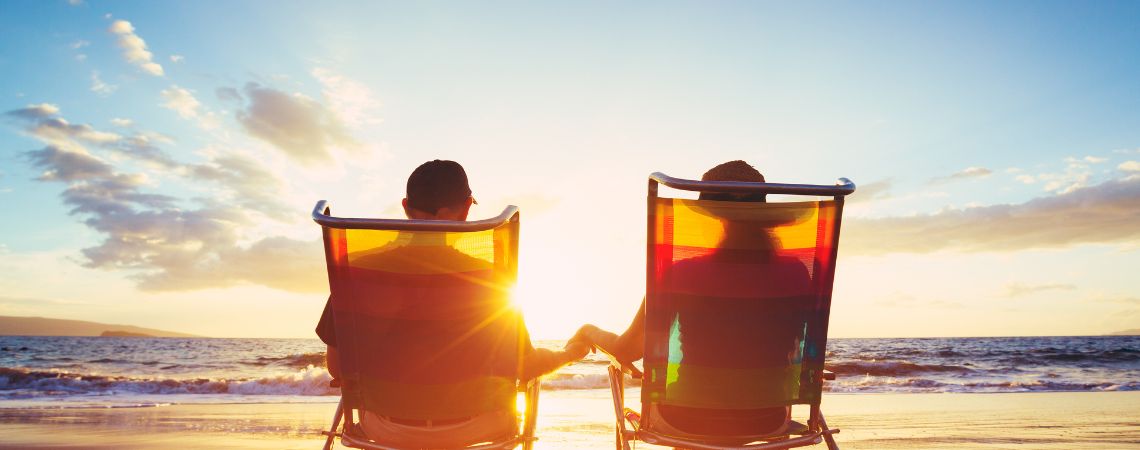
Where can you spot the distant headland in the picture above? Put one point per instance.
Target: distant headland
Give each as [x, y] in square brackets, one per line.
[42, 326]
[1132, 332]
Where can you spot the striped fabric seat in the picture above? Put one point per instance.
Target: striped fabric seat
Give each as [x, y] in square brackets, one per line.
[424, 326]
[737, 303]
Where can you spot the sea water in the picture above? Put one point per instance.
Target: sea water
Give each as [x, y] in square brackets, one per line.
[66, 372]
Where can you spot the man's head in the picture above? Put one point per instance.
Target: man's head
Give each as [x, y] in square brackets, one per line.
[438, 190]
[733, 171]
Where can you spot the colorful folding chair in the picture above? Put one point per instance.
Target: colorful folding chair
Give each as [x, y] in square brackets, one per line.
[424, 328]
[737, 301]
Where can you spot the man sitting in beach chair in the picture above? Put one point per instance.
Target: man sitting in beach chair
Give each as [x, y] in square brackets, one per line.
[730, 317]
[419, 328]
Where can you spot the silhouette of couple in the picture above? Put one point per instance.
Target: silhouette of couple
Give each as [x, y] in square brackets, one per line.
[439, 190]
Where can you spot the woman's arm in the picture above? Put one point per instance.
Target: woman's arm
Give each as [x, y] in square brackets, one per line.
[627, 347]
[332, 361]
[542, 361]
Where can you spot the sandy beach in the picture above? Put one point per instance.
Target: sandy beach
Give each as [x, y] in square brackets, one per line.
[582, 419]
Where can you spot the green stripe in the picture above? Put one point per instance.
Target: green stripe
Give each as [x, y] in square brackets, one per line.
[438, 401]
[710, 387]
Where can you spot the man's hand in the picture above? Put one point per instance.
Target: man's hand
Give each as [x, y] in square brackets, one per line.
[576, 350]
[582, 336]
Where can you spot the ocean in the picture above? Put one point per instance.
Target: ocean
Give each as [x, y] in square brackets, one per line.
[82, 372]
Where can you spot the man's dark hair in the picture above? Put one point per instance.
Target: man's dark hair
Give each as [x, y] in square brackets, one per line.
[734, 171]
[437, 184]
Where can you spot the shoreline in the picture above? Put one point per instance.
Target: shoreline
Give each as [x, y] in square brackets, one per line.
[584, 419]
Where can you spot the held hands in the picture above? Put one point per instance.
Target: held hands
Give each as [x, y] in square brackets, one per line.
[578, 346]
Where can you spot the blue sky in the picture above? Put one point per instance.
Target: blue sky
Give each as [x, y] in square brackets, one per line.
[995, 145]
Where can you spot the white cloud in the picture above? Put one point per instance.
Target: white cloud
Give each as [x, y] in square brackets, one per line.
[119, 122]
[59, 131]
[35, 111]
[176, 58]
[134, 48]
[1104, 213]
[163, 242]
[80, 44]
[878, 190]
[967, 173]
[352, 101]
[1129, 166]
[1027, 179]
[1076, 175]
[183, 102]
[299, 126]
[1094, 159]
[75, 2]
[100, 87]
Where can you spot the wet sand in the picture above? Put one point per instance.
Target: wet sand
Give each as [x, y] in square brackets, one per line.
[584, 420]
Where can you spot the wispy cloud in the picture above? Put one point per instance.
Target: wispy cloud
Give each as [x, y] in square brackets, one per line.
[877, 190]
[1121, 299]
[35, 111]
[176, 58]
[1013, 290]
[120, 122]
[1026, 179]
[1104, 213]
[299, 126]
[964, 174]
[181, 101]
[1129, 166]
[162, 240]
[350, 100]
[134, 48]
[184, 103]
[99, 87]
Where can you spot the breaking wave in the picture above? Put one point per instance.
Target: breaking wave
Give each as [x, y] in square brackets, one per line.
[22, 383]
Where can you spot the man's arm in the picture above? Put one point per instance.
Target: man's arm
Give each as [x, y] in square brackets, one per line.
[327, 332]
[629, 346]
[542, 361]
[332, 361]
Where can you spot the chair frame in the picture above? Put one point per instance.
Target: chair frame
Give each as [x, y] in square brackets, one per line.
[344, 418]
[817, 429]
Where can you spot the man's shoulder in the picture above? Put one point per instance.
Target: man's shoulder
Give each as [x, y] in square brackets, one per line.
[429, 258]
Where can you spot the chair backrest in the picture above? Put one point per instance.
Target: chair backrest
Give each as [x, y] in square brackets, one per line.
[738, 295]
[424, 324]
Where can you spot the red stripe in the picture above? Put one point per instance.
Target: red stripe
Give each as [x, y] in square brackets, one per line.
[784, 276]
[419, 296]
[429, 352]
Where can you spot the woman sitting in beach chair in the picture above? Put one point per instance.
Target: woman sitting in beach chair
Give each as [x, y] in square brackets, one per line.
[421, 335]
[734, 321]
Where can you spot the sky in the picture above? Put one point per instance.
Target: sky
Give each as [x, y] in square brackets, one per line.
[159, 160]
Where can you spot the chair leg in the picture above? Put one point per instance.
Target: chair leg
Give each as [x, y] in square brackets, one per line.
[336, 423]
[529, 421]
[617, 390]
[827, 437]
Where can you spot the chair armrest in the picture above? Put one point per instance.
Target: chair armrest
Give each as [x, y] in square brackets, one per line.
[828, 375]
[625, 367]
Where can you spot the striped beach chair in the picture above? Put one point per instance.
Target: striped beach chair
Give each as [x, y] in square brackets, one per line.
[738, 295]
[424, 327]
